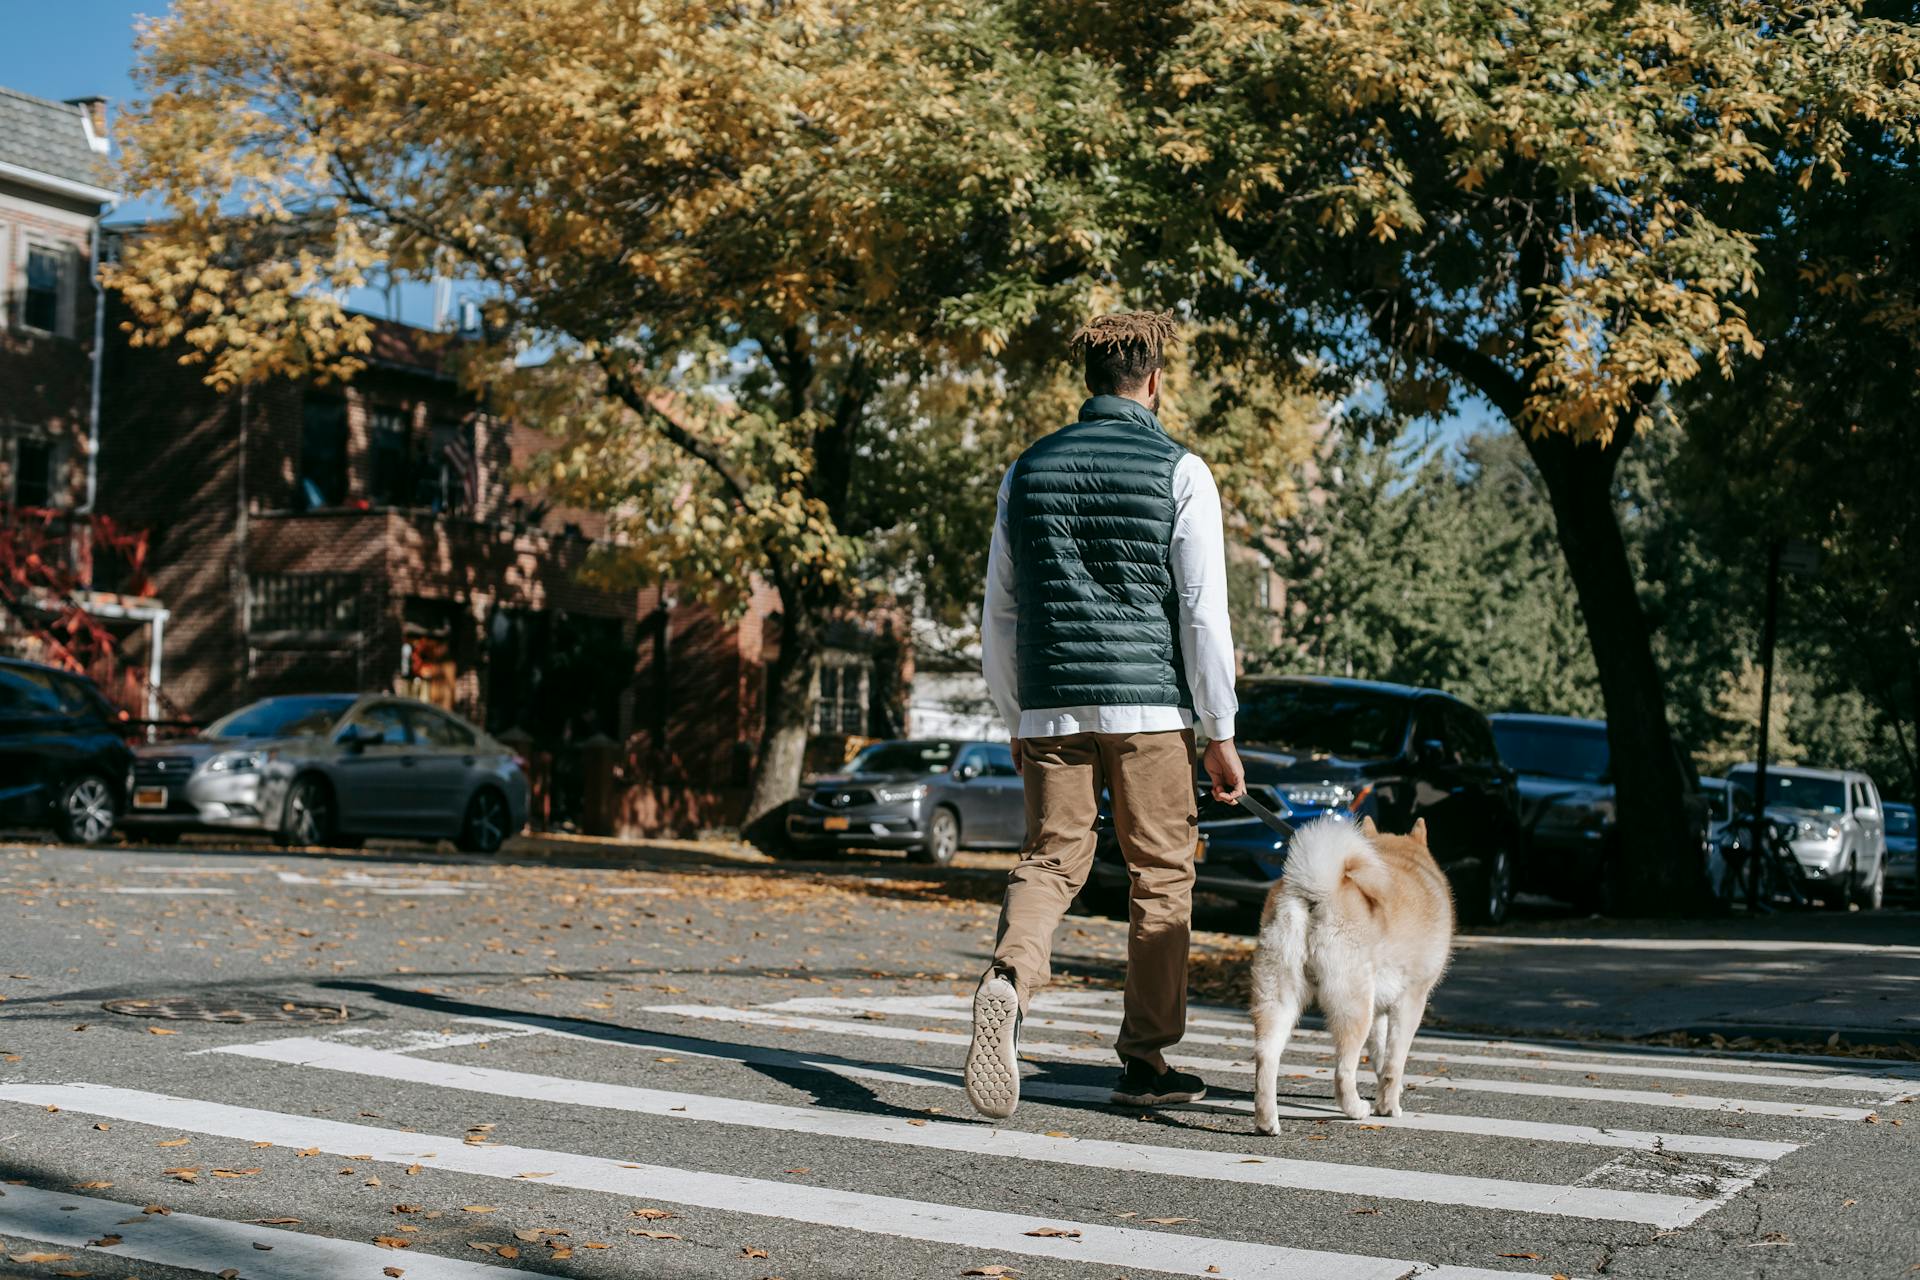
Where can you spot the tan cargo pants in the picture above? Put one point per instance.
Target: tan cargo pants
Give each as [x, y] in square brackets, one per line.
[1150, 776]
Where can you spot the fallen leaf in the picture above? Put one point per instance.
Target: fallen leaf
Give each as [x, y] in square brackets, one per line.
[478, 1208]
[264, 1248]
[393, 1242]
[173, 1142]
[1368, 1210]
[918, 1124]
[1516, 1255]
[39, 1257]
[393, 1273]
[547, 1174]
[234, 1173]
[651, 1235]
[310, 1151]
[405, 1208]
[160, 1209]
[103, 1127]
[276, 1222]
[558, 1252]
[802, 1169]
[533, 1235]
[186, 1173]
[413, 1170]
[1169, 1222]
[1057, 1133]
[102, 1186]
[991, 1269]
[748, 1251]
[652, 1215]
[1062, 1233]
[104, 1242]
[161, 1031]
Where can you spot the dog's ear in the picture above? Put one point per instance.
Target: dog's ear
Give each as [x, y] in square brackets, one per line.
[1367, 828]
[1419, 831]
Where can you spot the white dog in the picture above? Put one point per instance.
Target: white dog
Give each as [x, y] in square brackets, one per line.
[1365, 923]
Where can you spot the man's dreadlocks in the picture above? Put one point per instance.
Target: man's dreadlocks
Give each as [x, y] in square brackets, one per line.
[1120, 350]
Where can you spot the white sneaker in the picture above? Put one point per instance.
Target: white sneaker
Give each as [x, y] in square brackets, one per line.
[993, 1059]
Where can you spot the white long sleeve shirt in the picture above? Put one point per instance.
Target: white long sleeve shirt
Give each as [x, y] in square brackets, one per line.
[1199, 564]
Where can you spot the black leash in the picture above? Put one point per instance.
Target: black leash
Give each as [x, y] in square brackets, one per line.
[1281, 827]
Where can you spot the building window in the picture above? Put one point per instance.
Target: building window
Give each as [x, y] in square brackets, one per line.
[33, 472]
[387, 438]
[303, 602]
[323, 454]
[451, 480]
[841, 707]
[41, 308]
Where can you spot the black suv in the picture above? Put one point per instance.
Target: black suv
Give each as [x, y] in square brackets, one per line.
[63, 763]
[1351, 749]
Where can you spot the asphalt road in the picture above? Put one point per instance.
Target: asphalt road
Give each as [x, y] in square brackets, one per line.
[701, 1069]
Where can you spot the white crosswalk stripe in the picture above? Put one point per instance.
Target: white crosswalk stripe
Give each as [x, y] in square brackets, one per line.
[211, 1245]
[1165, 1252]
[1641, 1176]
[1088, 1053]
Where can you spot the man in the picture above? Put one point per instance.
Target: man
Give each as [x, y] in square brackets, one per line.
[1105, 640]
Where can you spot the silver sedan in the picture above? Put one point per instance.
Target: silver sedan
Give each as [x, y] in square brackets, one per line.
[320, 769]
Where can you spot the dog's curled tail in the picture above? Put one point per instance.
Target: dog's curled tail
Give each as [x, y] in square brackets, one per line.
[1327, 854]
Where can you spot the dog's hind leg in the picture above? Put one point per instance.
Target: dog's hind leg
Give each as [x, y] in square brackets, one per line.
[1346, 997]
[1392, 1065]
[1280, 992]
[1377, 1043]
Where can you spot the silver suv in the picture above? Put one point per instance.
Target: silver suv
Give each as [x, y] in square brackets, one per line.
[1837, 827]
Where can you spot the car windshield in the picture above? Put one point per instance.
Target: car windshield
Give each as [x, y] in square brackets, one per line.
[304, 717]
[1899, 820]
[905, 757]
[1575, 751]
[1797, 791]
[1320, 721]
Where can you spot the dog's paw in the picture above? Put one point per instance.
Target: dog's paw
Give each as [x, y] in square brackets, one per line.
[1386, 1106]
[1353, 1108]
[1270, 1129]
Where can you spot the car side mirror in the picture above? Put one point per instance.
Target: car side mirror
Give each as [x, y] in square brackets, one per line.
[1866, 813]
[967, 772]
[1430, 751]
[357, 739]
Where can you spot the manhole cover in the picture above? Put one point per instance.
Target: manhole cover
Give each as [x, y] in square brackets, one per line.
[228, 1009]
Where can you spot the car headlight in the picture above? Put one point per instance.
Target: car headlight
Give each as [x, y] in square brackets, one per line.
[1813, 829]
[1325, 795]
[238, 762]
[895, 795]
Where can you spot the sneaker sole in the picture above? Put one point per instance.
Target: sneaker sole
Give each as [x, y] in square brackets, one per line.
[1155, 1099]
[993, 1064]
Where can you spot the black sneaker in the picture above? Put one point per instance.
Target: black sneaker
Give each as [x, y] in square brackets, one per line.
[993, 1059]
[1141, 1086]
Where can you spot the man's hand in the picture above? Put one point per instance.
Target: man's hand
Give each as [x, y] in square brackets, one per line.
[1019, 767]
[1223, 766]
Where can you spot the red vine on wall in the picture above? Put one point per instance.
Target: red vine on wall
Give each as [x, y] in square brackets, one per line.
[46, 563]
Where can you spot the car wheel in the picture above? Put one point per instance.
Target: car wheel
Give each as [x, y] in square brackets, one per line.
[1491, 894]
[87, 810]
[1872, 895]
[1838, 895]
[485, 827]
[309, 816]
[943, 838]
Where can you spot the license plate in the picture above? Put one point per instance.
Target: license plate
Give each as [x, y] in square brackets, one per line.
[1200, 849]
[149, 797]
[834, 824]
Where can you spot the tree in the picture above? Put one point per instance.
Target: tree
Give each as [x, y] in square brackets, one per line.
[1737, 711]
[736, 229]
[1534, 205]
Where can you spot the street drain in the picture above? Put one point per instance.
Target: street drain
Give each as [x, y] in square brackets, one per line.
[230, 1009]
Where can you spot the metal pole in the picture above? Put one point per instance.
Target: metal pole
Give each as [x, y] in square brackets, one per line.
[1768, 626]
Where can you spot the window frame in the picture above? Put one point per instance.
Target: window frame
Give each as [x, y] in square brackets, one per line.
[60, 258]
[304, 472]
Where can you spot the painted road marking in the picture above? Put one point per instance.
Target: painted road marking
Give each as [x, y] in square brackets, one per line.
[1162, 1251]
[935, 1077]
[1841, 1083]
[210, 1245]
[1605, 1204]
[1465, 1084]
[169, 891]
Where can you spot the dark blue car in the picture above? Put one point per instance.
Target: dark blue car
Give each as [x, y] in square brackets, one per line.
[1317, 747]
[63, 763]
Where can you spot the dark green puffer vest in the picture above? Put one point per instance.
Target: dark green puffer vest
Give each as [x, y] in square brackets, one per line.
[1090, 519]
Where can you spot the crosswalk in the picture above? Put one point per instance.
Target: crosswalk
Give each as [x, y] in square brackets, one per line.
[1510, 1136]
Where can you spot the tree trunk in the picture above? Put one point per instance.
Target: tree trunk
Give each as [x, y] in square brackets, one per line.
[1659, 864]
[792, 684]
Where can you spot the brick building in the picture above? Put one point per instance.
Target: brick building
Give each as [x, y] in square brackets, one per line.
[371, 536]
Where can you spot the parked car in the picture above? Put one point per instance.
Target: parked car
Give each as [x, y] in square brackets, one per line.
[1832, 820]
[1903, 877]
[333, 769]
[1351, 749]
[929, 796]
[63, 762]
[1568, 807]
